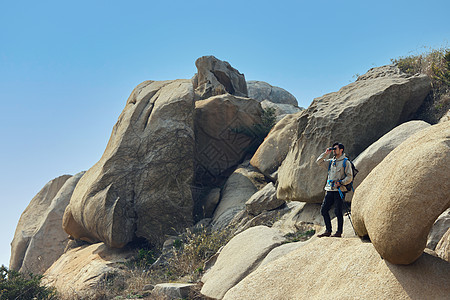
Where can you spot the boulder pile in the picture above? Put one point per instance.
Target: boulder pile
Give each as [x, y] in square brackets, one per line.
[181, 159]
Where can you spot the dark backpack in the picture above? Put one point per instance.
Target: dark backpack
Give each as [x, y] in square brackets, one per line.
[354, 171]
[348, 187]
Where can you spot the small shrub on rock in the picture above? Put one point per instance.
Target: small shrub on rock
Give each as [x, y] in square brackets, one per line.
[15, 285]
[436, 65]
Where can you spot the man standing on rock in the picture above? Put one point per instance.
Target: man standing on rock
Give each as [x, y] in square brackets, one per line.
[336, 180]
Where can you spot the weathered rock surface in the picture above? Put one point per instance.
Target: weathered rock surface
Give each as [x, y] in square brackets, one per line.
[30, 250]
[79, 272]
[273, 150]
[239, 258]
[172, 290]
[265, 199]
[141, 185]
[50, 240]
[215, 77]
[242, 184]
[445, 118]
[300, 212]
[282, 250]
[351, 116]
[261, 91]
[443, 247]
[398, 202]
[281, 110]
[440, 227]
[357, 272]
[219, 148]
[375, 153]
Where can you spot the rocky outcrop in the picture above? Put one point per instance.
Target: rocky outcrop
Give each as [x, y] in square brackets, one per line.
[215, 77]
[333, 268]
[398, 202]
[280, 110]
[261, 91]
[443, 247]
[172, 290]
[265, 199]
[49, 240]
[351, 116]
[376, 152]
[141, 185]
[223, 131]
[242, 184]
[80, 272]
[299, 213]
[239, 258]
[440, 227]
[37, 240]
[276, 145]
[445, 118]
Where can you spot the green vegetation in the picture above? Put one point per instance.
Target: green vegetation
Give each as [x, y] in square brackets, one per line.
[259, 131]
[436, 65]
[15, 285]
[304, 233]
[184, 262]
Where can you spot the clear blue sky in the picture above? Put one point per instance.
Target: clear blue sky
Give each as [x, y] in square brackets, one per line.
[68, 67]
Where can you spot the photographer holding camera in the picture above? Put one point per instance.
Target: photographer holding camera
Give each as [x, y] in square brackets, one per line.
[337, 178]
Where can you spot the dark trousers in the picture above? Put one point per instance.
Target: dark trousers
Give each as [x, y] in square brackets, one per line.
[330, 199]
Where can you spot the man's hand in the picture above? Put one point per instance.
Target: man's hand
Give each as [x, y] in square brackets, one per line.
[328, 151]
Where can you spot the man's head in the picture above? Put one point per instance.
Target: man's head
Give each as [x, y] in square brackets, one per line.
[338, 149]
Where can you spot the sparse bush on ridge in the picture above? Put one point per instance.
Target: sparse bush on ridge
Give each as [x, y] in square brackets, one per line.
[15, 285]
[436, 65]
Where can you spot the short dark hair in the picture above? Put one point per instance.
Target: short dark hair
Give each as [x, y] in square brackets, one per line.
[340, 146]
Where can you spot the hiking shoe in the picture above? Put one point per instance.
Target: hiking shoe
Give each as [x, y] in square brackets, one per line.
[326, 233]
[337, 234]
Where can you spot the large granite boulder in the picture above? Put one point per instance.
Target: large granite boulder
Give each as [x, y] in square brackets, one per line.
[443, 247]
[215, 77]
[81, 272]
[49, 239]
[440, 227]
[239, 258]
[333, 268]
[39, 236]
[263, 200]
[357, 115]
[224, 130]
[445, 117]
[261, 91]
[240, 186]
[141, 185]
[398, 202]
[280, 110]
[376, 152]
[276, 145]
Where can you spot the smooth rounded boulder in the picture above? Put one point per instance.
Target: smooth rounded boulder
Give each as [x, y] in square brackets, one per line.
[375, 153]
[140, 187]
[273, 150]
[239, 257]
[340, 268]
[356, 116]
[260, 90]
[33, 222]
[398, 202]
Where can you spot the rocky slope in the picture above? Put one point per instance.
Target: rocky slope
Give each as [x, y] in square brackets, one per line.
[179, 153]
